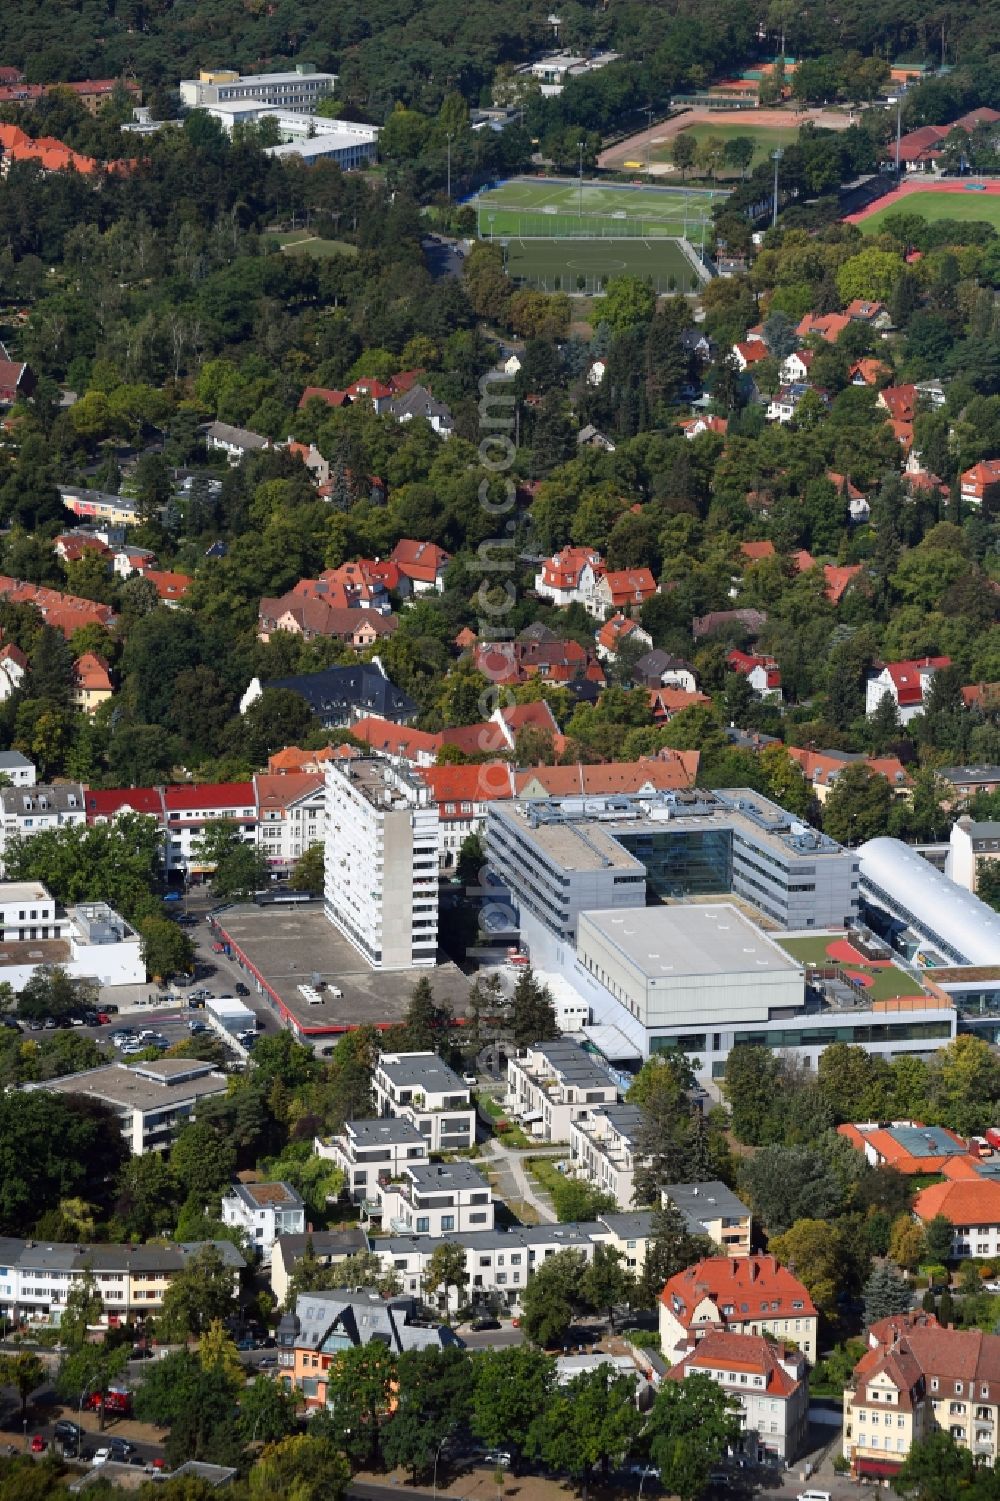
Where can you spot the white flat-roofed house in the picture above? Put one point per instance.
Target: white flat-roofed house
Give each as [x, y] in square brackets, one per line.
[422, 1089]
[153, 1100]
[368, 1151]
[436, 1199]
[712, 1209]
[555, 1083]
[602, 1149]
[89, 942]
[264, 1211]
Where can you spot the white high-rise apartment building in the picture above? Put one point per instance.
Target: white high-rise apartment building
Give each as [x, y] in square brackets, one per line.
[381, 883]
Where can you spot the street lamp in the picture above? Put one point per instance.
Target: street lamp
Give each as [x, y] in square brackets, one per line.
[579, 145]
[642, 1478]
[897, 100]
[450, 134]
[437, 1456]
[649, 131]
[491, 218]
[776, 156]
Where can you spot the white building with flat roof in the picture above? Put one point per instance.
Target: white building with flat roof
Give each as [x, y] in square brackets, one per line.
[264, 1211]
[299, 90]
[553, 1084]
[370, 1151]
[689, 965]
[422, 1089]
[437, 1199]
[381, 865]
[90, 942]
[153, 1100]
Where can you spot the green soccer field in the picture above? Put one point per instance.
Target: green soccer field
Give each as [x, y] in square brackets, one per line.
[585, 265]
[558, 208]
[967, 207]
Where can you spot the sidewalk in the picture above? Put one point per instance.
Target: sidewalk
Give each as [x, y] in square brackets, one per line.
[507, 1162]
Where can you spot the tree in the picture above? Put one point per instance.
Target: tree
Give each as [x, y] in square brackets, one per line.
[217, 1351]
[858, 806]
[690, 1426]
[51, 992]
[435, 1398]
[817, 1250]
[684, 152]
[360, 1390]
[607, 1284]
[147, 1194]
[82, 1312]
[239, 868]
[446, 1269]
[532, 1011]
[751, 1084]
[885, 1292]
[938, 1237]
[628, 302]
[574, 1200]
[426, 1021]
[591, 1421]
[935, 1469]
[196, 1404]
[511, 1387]
[906, 1243]
[306, 1466]
[668, 1131]
[199, 1294]
[166, 948]
[91, 1368]
[268, 1410]
[308, 872]
[552, 1296]
[23, 1371]
[786, 1184]
[670, 1249]
[200, 1162]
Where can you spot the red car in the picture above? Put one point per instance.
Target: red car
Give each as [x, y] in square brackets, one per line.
[218, 948]
[102, 1018]
[37, 1444]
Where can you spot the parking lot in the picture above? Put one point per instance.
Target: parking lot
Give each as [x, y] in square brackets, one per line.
[288, 946]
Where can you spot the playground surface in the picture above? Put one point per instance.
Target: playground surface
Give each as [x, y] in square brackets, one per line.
[585, 265]
[562, 208]
[881, 978]
[953, 198]
[304, 242]
[739, 121]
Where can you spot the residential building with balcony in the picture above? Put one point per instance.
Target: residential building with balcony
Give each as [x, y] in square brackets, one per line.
[769, 1381]
[27, 811]
[602, 1149]
[36, 1277]
[738, 1295]
[291, 816]
[914, 1378]
[153, 1100]
[263, 1211]
[712, 1209]
[552, 1084]
[381, 866]
[422, 1089]
[435, 1199]
[325, 1246]
[369, 1152]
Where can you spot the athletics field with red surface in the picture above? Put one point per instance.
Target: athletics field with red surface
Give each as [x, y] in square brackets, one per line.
[947, 198]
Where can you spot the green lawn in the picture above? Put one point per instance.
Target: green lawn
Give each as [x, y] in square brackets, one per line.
[965, 205]
[890, 981]
[765, 138]
[556, 207]
[304, 242]
[543, 263]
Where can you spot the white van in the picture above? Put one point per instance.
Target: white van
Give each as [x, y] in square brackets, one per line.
[813, 1496]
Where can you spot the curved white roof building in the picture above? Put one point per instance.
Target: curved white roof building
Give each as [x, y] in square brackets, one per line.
[951, 920]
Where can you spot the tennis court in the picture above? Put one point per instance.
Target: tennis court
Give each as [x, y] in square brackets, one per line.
[585, 265]
[565, 208]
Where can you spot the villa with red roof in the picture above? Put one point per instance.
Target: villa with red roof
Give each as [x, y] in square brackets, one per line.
[906, 683]
[622, 589]
[313, 618]
[907, 1146]
[64, 612]
[463, 795]
[761, 672]
[423, 563]
[981, 483]
[693, 427]
[899, 401]
[972, 1208]
[822, 768]
[325, 394]
[91, 682]
[171, 587]
[737, 1295]
[570, 576]
[768, 1379]
[826, 326]
[750, 352]
[666, 702]
[617, 629]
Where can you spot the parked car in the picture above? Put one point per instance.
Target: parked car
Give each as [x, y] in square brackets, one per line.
[485, 1323]
[109, 1007]
[195, 1027]
[173, 896]
[37, 1444]
[497, 1457]
[241, 989]
[218, 948]
[267, 1362]
[67, 1432]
